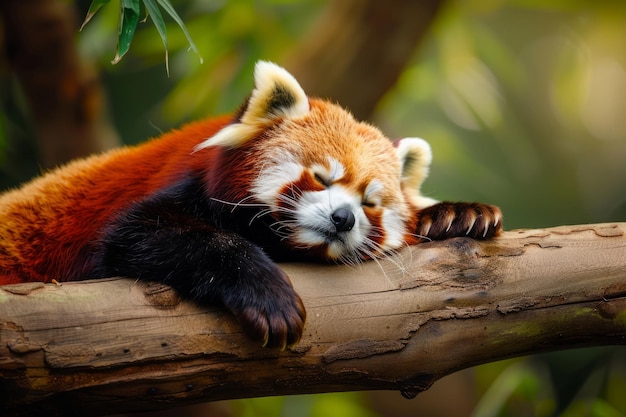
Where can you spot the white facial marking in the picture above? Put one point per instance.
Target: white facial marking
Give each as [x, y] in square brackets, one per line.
[372, 193]
[334, 172]
[337, 171]
[394, 230]
[274, 177]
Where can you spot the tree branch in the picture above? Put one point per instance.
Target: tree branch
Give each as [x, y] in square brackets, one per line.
[401, 324]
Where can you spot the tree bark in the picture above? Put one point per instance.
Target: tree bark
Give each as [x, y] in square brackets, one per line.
[358, 49]
[63, 91]
[114, 345]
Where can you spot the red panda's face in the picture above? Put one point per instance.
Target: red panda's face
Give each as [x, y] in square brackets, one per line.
[333, 186]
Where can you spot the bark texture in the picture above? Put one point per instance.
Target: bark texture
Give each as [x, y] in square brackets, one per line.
[107, 346]
[63, 91]
[358, 49]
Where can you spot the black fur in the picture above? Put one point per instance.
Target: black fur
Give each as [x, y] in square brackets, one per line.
[180, 238]
[280, 99]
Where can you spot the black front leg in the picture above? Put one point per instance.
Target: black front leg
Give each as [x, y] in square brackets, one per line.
[157, 241]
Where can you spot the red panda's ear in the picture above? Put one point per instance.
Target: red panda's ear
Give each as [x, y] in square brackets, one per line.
[276, 96]
[415, 157]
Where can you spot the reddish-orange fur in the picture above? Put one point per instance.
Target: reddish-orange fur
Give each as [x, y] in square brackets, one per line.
[84, 197]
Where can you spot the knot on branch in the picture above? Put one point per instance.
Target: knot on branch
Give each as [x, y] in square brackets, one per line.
[161, 295]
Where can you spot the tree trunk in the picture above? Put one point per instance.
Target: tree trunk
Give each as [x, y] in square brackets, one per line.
[358, 49]
[114, 345]
[64, 94]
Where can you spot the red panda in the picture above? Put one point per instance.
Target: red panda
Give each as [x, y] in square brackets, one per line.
[209, 209]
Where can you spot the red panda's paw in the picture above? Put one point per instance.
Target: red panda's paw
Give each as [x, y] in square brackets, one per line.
[445, 220]
[273, 314]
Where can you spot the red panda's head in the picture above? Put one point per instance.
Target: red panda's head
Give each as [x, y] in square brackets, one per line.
[333, 185]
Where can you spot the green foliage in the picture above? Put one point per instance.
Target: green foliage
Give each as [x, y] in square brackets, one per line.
[230, 38]
[583, 382]
[129, 18]
[518, 389]
[523, 105]
[93, 8]
[268, 406]
[350, 404]
[155, 14]
[340, 405]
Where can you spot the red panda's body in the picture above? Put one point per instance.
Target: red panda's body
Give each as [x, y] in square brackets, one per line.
[209, 208]
[49, 226]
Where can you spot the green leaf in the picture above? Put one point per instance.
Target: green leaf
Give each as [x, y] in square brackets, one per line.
[167, 6]
[155, 14]
[129, 17]
[93, 8]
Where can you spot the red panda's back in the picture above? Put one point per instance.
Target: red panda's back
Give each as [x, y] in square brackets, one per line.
[48, 227]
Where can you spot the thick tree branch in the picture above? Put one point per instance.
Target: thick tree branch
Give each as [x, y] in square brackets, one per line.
[120, 345]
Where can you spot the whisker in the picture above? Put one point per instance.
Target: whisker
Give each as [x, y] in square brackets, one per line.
[239, 203]
[260, 214]
[420, 236]
[376, 252]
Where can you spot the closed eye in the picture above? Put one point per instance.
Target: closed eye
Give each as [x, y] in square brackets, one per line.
[323, 181]
[372, 194]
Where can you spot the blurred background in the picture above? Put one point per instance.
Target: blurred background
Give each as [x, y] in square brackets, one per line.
[523, 102]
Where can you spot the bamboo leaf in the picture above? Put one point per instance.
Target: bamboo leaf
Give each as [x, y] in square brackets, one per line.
[167, 6]
[155, 14]
[129, 17]
[93, 8]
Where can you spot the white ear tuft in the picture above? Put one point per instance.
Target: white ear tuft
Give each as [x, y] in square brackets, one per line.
[276, 95]
[230, 136]
[415, 157]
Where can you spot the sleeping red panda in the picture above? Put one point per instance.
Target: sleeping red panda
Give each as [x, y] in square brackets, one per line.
[209, 209]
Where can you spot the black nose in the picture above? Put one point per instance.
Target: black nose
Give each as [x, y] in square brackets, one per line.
[343, 219]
